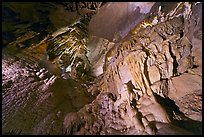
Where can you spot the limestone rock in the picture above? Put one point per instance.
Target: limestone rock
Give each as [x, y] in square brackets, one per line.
[148, 69]
[148, 82]
[154, 74]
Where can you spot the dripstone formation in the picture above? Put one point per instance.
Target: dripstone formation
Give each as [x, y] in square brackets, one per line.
[144, 79]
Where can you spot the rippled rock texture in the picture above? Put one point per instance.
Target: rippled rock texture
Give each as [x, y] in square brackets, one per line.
[147, 82]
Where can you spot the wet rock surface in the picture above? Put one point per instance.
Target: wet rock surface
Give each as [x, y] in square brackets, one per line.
[147, 83]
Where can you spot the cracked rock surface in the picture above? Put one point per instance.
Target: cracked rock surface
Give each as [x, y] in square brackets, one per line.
[152, 83]
[147, 82]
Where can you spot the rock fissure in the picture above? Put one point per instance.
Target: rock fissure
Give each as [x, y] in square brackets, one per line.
[137, 72]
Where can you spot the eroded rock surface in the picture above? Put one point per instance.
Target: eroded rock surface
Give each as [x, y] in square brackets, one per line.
[148, 82]
[34, 101]
[147, 78]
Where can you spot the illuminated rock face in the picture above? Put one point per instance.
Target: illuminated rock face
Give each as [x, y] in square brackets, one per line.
[147, 78]
[118, 19]
[148, 82]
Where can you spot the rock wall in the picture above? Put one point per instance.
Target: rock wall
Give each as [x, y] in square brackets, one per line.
[146, 81]
[74, 81]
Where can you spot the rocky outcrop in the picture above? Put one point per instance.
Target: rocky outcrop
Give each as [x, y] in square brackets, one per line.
[147, 82]
[147, 78]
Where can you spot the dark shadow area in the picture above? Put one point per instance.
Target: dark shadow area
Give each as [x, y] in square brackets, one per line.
[193, 126]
